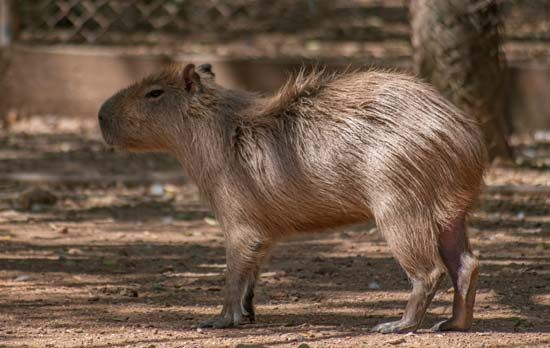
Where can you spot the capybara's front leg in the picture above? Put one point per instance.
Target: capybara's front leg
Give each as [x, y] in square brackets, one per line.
[245, 251]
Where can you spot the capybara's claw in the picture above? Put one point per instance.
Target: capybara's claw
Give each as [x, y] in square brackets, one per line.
[398, 326]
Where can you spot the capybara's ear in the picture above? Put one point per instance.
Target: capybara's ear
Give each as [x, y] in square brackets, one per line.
[191, 79]
[206, 68]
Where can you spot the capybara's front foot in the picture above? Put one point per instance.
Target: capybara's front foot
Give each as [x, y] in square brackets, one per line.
[398, 326]
[221, 322]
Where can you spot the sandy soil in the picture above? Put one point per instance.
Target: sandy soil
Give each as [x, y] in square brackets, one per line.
[127, 256]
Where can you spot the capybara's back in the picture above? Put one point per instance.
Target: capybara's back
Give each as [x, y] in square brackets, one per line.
[327, 150]
[367, 142]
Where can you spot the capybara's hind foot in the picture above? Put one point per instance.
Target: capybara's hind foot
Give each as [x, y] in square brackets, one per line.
[398, 326]
[451, 325]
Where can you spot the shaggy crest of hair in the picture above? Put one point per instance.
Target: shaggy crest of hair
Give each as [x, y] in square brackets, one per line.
[300, 85]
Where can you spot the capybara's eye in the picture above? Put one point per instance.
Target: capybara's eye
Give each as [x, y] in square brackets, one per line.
[154, 93]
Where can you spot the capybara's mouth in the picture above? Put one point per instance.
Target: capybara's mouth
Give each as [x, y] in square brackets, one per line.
[107, 127]
[106, 122]
[108, 140]
[106, 132]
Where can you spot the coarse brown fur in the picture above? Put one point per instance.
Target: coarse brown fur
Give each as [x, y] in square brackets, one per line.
[327, 150]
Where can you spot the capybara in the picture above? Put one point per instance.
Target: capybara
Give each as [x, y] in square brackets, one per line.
[327, 150]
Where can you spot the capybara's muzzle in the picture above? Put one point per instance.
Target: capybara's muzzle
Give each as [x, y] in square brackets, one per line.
[106, 122]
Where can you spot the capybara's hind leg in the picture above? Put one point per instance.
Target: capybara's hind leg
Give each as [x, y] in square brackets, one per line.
[463, 269]
[424, 270]
[421, 296]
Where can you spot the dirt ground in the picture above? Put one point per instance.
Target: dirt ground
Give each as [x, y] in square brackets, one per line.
[127, 256]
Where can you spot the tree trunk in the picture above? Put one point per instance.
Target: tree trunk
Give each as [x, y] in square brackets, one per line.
[456, 48]
[5, 40]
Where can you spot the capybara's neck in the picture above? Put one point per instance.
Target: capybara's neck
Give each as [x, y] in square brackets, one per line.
[203, 145]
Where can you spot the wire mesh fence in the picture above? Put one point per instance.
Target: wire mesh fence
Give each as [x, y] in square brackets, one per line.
[153, 21]
[131, 21]
[119, 21]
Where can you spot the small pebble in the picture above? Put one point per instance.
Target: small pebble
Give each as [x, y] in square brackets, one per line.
[397, 342]
[35, 199]
[74, 251]
[167, 220]
[374, 286]
[156, 190]
[22, 278]
[211, 221]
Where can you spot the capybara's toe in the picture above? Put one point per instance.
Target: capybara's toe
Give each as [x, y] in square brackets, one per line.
[398, 326]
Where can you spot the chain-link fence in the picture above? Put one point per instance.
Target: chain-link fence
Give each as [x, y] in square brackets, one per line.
[123, 21]
[156, 21]
[131, 21]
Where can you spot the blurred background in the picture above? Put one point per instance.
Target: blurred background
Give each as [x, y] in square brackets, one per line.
[101, 247]
[87, 49]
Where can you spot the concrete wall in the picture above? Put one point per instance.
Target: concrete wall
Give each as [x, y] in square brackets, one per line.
[76, 80]
[528, 98]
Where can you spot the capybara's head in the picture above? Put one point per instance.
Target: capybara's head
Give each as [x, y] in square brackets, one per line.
[148, 115]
